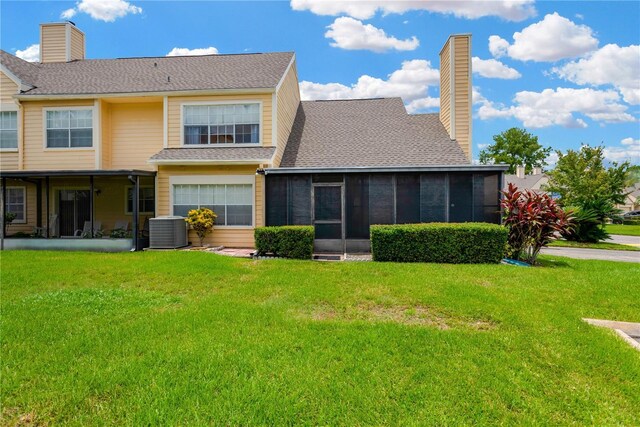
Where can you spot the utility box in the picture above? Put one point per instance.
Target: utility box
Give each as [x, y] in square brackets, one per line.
[167, 232]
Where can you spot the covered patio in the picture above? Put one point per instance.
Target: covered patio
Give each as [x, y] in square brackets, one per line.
[97, 210]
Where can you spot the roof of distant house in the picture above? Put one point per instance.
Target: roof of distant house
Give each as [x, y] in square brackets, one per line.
[150, 74]
[367, 132]
[528, 182]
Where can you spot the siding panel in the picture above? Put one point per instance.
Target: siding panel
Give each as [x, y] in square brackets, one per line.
[53, 43]
[136, 134]
[288, 100]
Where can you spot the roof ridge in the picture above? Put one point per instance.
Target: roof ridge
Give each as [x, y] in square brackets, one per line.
[352, 99]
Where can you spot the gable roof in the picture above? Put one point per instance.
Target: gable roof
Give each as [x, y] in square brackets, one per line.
[528, 182]
[152, 74]
[367, 133]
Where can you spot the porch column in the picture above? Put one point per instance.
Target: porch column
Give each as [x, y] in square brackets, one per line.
[4, 207]
[135, 180]
[39, 203]
[91, 203]
[46, 203]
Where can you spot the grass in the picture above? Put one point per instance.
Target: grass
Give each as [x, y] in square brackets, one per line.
[599, 245]
[624, 230]
[178, 338]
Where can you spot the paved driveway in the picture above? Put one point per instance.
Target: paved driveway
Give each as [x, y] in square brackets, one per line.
[602, 254]
[625, 240]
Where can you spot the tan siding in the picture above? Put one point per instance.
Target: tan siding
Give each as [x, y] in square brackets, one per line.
[288, 100]
[8, 88]
[136, 134]
[462, 91]
[35, 155]
[53, 46]
[445, 87]
[77, 44]
[105, 109]
[174, 113]
[240, 238]
[8, 160]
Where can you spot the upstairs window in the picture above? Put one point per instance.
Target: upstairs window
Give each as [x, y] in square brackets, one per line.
[222, 124]
[9, 129]
[69, 128]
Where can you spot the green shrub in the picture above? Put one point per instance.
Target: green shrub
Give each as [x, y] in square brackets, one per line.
[465, 243]
[286, 241]
[631, 222]
[586, 227]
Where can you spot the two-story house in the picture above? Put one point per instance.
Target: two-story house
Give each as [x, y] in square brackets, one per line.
[89, 146]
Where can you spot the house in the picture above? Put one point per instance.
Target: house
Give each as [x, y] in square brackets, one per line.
[89, 146]
[535, 181]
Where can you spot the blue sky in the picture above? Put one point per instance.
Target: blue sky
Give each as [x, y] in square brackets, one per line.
[567, 71]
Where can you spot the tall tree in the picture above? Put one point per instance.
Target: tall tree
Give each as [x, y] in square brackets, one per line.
[516, 147]
[580, 179]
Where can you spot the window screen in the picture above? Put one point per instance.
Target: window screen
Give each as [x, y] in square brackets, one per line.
[357, 206]
[300, 200]
[432, 198]
[381, 200]
[277, 199]
[486, 198]
[407, 198]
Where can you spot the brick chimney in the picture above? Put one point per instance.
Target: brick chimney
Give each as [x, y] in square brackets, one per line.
[455, 89]
[61, 42]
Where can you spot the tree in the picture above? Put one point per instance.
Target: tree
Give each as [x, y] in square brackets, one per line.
[516, 147]
[581, 180]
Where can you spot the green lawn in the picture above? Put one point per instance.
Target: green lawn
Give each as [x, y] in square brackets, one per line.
[188, 338]
[625, 230]
[599, 245]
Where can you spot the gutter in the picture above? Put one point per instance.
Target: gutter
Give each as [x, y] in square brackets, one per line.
[45, 97]
[386, 169]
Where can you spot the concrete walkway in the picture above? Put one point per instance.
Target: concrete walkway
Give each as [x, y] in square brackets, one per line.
[625, 240]
[603, 254]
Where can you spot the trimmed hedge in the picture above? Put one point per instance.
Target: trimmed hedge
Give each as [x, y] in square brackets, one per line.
[464, 243]
[291, 241]
[631, 222]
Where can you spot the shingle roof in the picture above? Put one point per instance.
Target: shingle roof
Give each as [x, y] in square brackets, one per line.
[367, 132]
[528, 182]
[155, 74]
[214, 154]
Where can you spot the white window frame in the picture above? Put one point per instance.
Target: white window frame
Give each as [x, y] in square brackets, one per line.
[94, 128]
[126, 194]
[10, 108]
[24, 203]
[217, 179]
[216, 103]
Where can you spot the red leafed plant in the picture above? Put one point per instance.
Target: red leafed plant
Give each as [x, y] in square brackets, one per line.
[534, 220]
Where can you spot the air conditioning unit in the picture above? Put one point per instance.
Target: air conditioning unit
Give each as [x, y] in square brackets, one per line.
[167, 232]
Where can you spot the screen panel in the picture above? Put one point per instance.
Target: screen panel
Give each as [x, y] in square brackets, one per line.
[357, 206]
[381, 200]
[460, 197]
[407, 198]
[433, 201]
[300, 200]
[276, 200]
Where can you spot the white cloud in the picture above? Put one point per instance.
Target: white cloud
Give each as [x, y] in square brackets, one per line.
[30, 54]
[552, 39]
[184, 51]
[498, 46]
[102, 10]
[492, 68]
[630, 151]
[560, 107]
[552, 159]
[351, 34]
[610, 65]
[410, 82]
[68, 14]
[511, 10]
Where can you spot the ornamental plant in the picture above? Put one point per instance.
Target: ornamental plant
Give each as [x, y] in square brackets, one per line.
[201, 221]
[534, 220]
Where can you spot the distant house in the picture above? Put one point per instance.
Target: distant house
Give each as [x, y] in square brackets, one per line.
[534, 181]
[88, 145]
[632, 200]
